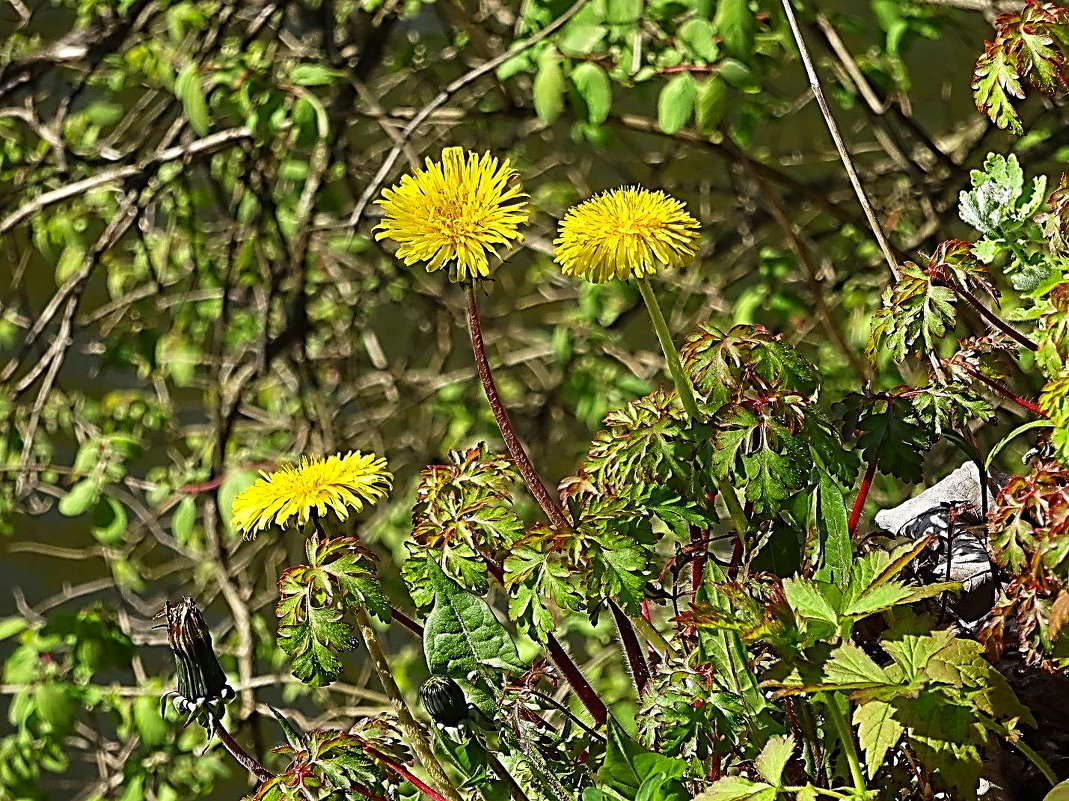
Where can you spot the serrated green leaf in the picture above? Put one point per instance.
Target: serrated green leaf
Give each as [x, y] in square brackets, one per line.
[833, 528]
[773, 758]
[877, 731]
[462, 635]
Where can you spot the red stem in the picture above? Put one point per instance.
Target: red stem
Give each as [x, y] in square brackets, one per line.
[516, 450]
[993, 318]
[640, 671]
[243, 757]
[1001, 390]
[862, 495]
[407, 622]
[403, 772]
[594, 705]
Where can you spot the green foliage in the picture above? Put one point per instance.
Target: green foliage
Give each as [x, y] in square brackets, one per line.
[340, 575]
[1030, 45]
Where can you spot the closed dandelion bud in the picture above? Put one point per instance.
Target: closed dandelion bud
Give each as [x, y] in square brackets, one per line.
[202, 683]
[444, 700]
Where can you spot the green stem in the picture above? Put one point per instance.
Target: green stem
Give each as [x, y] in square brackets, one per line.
[1019, 743]
[417, 738]
[846, 737]
[671, 355]
[685, 390]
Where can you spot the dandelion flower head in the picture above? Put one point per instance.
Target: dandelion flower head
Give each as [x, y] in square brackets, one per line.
[625, 233]
[457, 210]
[338, 483]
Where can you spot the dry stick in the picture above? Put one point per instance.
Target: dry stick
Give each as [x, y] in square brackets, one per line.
[243, 757]
[862, 494]
[441, 99]
[840, 146]
[416, 737]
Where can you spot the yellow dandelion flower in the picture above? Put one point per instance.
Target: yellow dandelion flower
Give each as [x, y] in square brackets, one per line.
[337, 482]
[625, 233]
[458, 209]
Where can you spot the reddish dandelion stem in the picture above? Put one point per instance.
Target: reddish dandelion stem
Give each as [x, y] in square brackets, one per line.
[243, 757]
[508, 433]
[862, 495]
[403, 772]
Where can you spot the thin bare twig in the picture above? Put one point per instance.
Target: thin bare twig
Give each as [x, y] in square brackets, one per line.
[840, 145]
[442, 98]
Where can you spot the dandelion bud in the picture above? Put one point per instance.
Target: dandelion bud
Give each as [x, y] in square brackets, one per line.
[444, 700]
[201, 681]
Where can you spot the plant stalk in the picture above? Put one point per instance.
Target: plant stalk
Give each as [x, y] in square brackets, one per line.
[846, 737]
[640, 672]
[413, 731]
[685, 390]
[1004, 392]
[243, 757]
[515, 448]
[403, 772]
[993, 319]
[862, 495]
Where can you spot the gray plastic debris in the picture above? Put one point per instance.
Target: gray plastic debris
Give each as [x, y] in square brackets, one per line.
[959, 552]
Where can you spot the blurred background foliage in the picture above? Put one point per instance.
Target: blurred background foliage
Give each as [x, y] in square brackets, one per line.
[191, 290]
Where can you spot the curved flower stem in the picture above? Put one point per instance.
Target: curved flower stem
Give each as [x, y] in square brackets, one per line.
[243, 757]
[685, 390]
[414, 733]
[516, 450]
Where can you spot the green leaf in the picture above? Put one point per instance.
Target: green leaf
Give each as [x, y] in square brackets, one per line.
[340, 575]
[675, 104]
[229, 489]
[773, 759]
[808, 601]
[740, 76]
[623, 12]
[736, 25]
[877, 731]
[849, 666]
[313, 75]
[995, 81]
[735, 788]
[109, 521]
[1060, 792]
[698, 35]
[185, 514]
[187, 89]
[461, 634]
[628, 766]
[548, 87]
[834, 531]
[153, 729]
[57, 705]
[711, 104]
[592, 84]
[79, 497]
